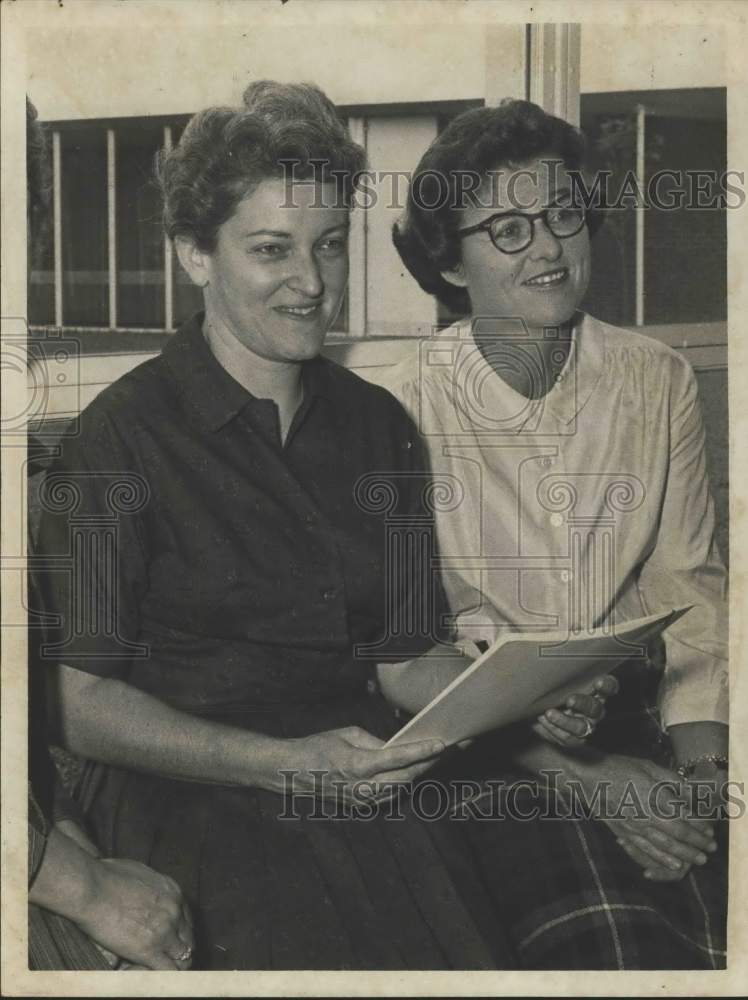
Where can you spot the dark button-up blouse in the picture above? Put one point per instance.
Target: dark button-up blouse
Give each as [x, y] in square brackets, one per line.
[193, 554]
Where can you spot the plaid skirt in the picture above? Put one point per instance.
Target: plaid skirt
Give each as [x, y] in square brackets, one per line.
[571, 898]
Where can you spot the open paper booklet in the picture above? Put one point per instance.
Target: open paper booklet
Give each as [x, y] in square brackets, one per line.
[520, 676]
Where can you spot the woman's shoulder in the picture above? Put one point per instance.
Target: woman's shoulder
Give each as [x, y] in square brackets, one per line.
[348, 389]
[139, 397]
[624, 348]
[430, 360]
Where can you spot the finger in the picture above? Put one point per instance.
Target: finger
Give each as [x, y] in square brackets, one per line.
[551, 734]
[606, 687]
[677, 823]
[657, 873]
[642, 859]
[548, 731]
[398, 757]
[360, 738]
[676, 848]
[586, 704]
[403, 776]
[574, 725]
[656, 854]
[695, 833]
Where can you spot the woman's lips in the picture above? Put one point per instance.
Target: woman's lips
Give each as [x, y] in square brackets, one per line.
[548, 279]
[299, 312]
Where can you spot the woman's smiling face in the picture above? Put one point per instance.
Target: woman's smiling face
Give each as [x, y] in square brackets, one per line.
[278, 272]
[543, 284]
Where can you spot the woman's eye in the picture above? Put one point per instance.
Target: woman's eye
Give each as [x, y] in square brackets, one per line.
[334, 246]
[563, 213]
[269, 250]
[507, 230]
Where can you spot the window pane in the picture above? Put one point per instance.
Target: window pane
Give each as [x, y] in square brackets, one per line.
[611, 136]
[140, 245]
[685, 249]
[85, 291]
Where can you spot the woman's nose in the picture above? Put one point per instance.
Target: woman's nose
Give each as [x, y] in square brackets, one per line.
[306, 277]
[545, 245]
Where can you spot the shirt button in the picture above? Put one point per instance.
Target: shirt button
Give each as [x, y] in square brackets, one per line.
[327, 595]
[565, 575]
[371, 686]
[557, 520]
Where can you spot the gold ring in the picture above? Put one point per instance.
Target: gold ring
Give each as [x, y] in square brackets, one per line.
[589, 729]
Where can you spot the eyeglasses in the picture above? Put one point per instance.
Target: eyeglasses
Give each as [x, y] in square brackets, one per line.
[512, 232]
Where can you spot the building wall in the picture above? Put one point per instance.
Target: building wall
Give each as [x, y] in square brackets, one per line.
[642, 58]
[73, 74]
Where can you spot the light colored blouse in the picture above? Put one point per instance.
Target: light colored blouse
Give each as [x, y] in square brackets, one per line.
[590, 504]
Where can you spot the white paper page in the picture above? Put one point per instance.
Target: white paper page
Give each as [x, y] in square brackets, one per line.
[521, 676]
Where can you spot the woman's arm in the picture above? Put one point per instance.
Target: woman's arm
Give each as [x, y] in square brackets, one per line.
[109, 720]
[412, 684]
[684, 568]
[701, 746]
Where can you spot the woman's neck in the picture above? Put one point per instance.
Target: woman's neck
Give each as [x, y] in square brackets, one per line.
[531, 364]
[266, 379]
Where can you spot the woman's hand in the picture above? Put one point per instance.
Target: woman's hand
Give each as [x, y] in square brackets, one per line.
[139, 915]
[663, 836]
[352, 766]
[571, 724]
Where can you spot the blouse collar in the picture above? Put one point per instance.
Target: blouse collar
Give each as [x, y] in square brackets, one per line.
[480, 391]
[207, 386]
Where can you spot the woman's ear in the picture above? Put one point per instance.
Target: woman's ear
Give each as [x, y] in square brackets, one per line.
[196, 262]
[456, 276]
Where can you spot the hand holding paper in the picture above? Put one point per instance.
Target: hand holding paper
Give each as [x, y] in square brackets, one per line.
[520, 676]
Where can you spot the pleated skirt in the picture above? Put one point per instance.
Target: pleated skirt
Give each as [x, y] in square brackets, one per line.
[316, 890]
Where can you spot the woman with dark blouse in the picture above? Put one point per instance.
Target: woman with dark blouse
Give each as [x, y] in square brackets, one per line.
[225, 635]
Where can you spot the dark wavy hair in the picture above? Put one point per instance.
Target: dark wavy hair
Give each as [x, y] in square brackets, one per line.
[478, 141]
[281, 130]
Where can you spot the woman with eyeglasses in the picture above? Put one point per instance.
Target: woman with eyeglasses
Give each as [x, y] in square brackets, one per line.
[580, 449]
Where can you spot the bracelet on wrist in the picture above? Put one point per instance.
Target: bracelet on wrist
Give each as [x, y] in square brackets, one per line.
[687, 768]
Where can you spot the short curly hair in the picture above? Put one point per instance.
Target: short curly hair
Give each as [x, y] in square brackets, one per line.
[477, 141]
[281, 130]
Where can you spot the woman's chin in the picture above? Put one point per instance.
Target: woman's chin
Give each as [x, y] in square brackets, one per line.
[550, 314]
